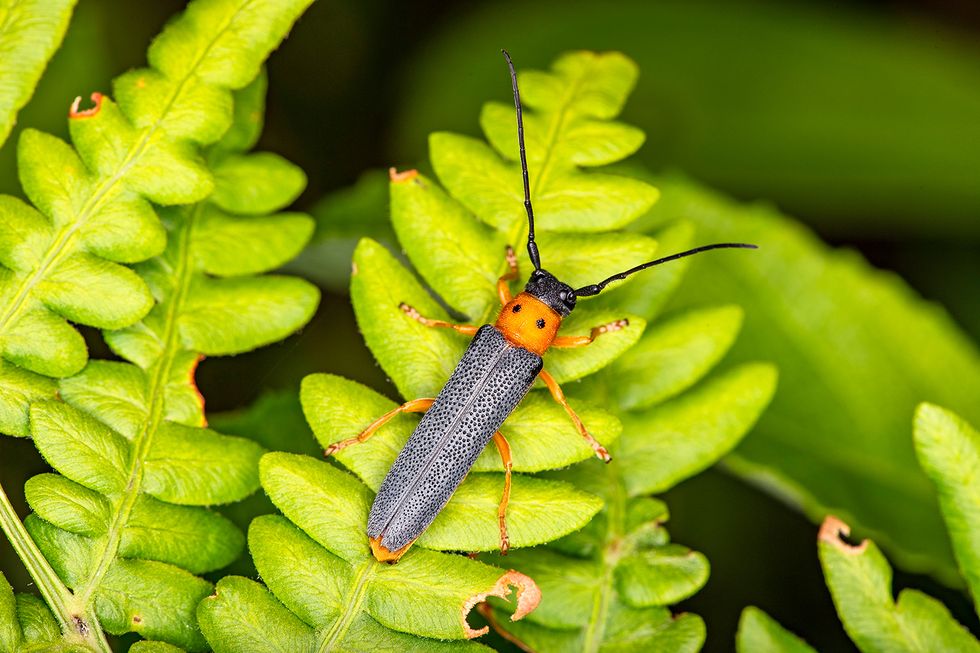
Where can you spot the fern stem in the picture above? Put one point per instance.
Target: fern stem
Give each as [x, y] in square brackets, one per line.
[518, 234]
[161, 371]
[81, 625]
[612, 552]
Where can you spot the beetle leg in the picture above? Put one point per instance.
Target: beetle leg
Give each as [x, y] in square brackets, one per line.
[503, 447]
[414, 406]
[581, 341]
[559, 396]
[465, 329]
[503, 289]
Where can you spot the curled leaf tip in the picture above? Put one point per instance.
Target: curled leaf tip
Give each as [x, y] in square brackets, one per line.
[831, 531]
[86, 113]
[407, 175]
[528, 598]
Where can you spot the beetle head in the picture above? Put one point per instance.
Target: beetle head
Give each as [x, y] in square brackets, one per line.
[543, 285]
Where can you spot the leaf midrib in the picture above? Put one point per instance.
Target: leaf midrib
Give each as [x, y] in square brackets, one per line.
[611, 553]
[143, 441]
[519, 232]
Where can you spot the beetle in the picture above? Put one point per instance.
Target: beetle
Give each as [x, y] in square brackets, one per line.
[495, 373]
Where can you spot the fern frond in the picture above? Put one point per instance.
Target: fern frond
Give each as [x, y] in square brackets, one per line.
[30, 32]
[850, 387]
[125, 525]
[614, 573]
[860, 578]
[92, 203]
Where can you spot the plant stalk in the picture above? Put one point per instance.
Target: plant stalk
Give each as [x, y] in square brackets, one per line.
[78, 625]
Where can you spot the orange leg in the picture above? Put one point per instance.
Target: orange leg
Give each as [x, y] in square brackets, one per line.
[503, 290]
[559, 396]
[414, 406]
[581, 341]
[465, 329]
[503, 447]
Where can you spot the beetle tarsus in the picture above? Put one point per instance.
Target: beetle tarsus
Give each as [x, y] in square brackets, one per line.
[612, 326]
[503, 283]
[340, 445]
[465, 329]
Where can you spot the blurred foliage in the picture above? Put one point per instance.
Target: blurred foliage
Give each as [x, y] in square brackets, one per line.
[856, 351]
[860, 579]
[31, 32]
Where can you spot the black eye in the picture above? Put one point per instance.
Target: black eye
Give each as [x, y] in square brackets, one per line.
[517, 308]
[540, 323]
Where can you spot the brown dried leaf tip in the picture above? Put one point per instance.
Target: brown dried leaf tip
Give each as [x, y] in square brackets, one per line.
[87, 113]
[528, 598]
[831, 531]
[396, 176]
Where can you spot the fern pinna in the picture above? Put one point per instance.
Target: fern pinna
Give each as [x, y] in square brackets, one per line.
[32, 31]
[124, 523]
[860, 579]
[608, 568]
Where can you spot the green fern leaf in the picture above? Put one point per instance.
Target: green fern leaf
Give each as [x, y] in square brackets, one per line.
[860, 582]
[759, 633]
[857, 351]
[571, 107]
[686, 435]
[149, 646]
[593, 597]
[93, 206]
[682, 349]
[629, 568]
[949, 451]
[332, 594]
[127, 525]
[26, 624]
[30, 32]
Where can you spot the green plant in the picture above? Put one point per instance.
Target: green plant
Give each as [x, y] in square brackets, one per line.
[30, 32]
[857, 348]
[605, 581]
[120, 535]
[732, 115]
[859, 577]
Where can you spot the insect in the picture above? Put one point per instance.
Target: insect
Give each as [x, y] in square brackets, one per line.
[495, 373]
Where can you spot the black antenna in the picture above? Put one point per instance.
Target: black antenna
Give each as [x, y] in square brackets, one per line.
[532, 247]
[597, 288]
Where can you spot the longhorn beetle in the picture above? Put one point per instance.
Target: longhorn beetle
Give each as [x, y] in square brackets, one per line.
[495, 373]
